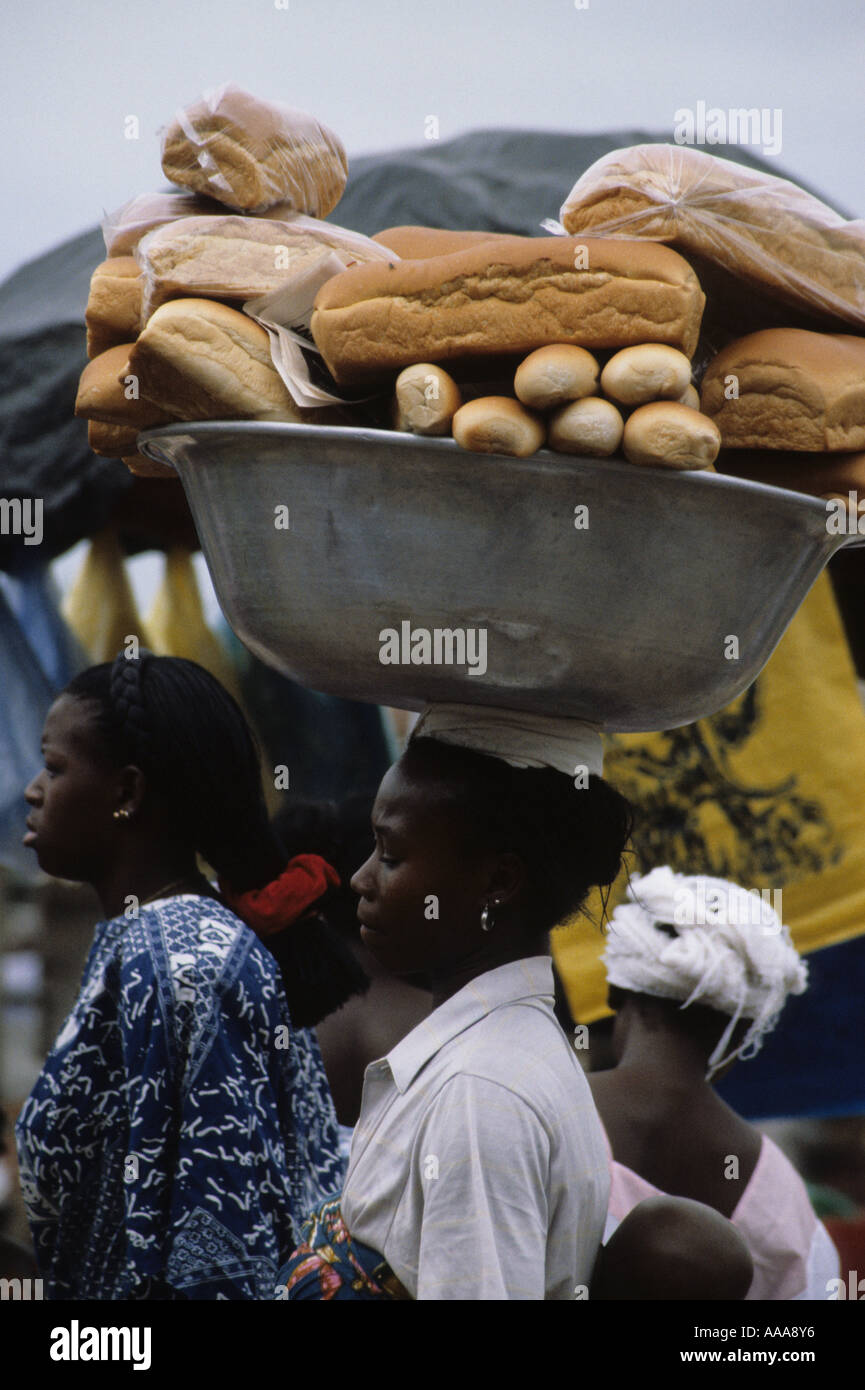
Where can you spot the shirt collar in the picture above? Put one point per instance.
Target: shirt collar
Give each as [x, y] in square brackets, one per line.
[529, 978]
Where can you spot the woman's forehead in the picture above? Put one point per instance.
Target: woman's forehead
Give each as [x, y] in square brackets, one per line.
[70, 721]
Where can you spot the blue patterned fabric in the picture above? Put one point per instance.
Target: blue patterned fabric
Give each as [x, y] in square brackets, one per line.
[181, 1128]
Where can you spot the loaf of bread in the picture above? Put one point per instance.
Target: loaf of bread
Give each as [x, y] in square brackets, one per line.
[821, 475]
[498, 425]
[425, 400]
[553, 375]
[785, 388]
[249, 154]
[111, 441]
[229, 257]
[671, 435]
[648, 372]
[113, 312]
[591, 426]
[124, 229]
[508, 296]
[109, 393]
[199, 360]
[417, 243]
[759, 228]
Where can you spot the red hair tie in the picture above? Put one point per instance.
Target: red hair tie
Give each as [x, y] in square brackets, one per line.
[275, 906]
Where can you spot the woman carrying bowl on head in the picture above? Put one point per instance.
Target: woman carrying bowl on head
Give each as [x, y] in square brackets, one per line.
[182, 1123]
[477, 1168]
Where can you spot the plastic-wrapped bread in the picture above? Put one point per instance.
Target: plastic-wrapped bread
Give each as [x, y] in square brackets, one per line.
[123, 229]
[417, 243]
[250, 154]
[759, 228]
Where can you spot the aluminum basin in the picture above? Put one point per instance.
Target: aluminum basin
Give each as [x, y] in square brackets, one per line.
[628, 621]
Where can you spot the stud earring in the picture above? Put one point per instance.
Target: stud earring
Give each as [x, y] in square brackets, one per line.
[123, 814]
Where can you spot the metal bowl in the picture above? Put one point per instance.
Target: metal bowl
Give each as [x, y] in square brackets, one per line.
[660, 610]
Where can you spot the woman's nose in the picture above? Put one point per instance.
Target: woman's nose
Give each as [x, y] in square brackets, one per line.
[33, 793]
[361, 879]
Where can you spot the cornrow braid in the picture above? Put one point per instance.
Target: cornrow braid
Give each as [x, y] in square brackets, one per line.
[128, 707]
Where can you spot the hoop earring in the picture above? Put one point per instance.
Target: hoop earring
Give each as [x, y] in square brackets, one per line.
[487, 922]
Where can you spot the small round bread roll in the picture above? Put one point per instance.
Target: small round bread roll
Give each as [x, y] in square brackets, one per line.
[497, 425]
[425, 400]
[590, 426]
[552, 375]
[648, 372]
[691, 397]
[671, 435]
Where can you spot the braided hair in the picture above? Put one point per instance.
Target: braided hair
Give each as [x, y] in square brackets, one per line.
[172, 719]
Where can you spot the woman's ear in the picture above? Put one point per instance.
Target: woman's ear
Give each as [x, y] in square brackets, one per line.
[132, 785]
[507, 877]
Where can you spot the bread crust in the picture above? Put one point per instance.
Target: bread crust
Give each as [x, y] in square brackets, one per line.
[498, 425]
[670, 435]
[113, 312]
[199, 360]
[102, 393]
[509, 296]
[797, 390]
[417, 243]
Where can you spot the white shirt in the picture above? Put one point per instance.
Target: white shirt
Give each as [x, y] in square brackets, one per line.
[478, 1167]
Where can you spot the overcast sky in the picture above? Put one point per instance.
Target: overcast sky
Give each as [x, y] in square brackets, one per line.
[72, 72]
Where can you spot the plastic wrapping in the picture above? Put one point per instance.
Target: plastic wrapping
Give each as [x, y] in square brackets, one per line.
[239, 258]
[759, 228]
[251, 154]
[123, 229]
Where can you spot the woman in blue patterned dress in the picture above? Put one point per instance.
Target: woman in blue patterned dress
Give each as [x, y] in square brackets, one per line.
[182, 1125]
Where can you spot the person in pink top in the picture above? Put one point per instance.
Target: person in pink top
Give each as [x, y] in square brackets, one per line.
[698, 971]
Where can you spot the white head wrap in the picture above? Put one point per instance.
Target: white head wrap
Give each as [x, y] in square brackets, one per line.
[731, 952]
[523, 740]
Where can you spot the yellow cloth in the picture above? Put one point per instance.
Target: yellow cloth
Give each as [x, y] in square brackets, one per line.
[176, 622]
[770, 793]
[100, 608]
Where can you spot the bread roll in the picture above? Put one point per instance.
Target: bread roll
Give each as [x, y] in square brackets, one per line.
[508, 296]
[113, 313]
[590, 426]
[250, 154]
[103, 393]
[198, 360]
[672, 435]
[796, 390]
[416, 243]
[553, 375]
[143, 467]
[648, 372]
[691, 397]
[425, 400]
[497, 425]
[111, 441]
